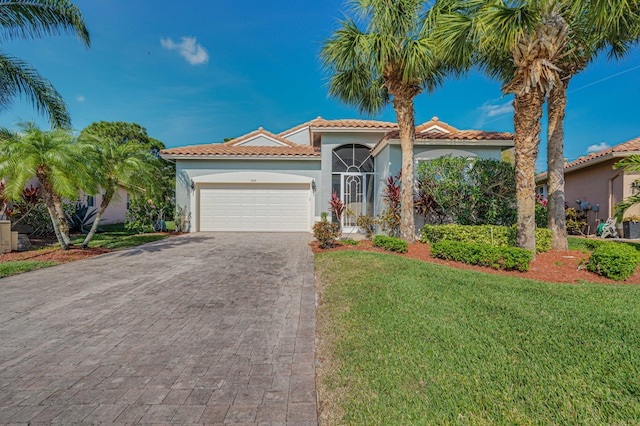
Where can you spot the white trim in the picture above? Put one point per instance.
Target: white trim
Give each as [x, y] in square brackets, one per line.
[251, 177]
[504, 143]
[436, 128]
[353, 129]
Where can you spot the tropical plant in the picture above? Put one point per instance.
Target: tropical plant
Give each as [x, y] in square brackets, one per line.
[629, 164]
[382, 57]
[337, 207]
[325, 232]
[56, 159]
[128, 165]
[81, 217]
[518, 43]
[367, 225]
[595, 26]
[468, 191]
[390, 218]
[29, 19]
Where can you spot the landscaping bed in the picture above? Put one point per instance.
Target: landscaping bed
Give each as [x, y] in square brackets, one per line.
[551, 266]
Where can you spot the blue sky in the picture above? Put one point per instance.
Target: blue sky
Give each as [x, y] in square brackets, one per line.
[201, 71]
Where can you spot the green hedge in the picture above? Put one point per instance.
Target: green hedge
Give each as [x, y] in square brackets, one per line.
[613, 260]
[503, 236]
[390, 243]
[497, 257]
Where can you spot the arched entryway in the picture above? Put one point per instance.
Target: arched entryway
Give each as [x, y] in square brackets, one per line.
[352, 180]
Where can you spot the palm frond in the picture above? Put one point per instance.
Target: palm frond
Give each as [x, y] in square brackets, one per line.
[19, 78]
[27, 19]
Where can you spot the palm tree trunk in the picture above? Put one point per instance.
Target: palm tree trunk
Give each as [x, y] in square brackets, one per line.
[51, 208]
[526, 123]
[405, 116]
[94, 227]
[63, 224]
[556, 219]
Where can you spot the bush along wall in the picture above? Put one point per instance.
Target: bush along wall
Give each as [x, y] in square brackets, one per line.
[497, 257]
[501, 236]
[614, 260]
[390, 243]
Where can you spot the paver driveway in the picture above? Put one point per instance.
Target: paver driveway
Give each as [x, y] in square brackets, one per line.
[201, 328]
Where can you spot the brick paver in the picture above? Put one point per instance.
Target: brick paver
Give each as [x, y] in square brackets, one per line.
[201, 328]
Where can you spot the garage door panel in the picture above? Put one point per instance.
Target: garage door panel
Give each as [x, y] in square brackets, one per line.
[236, 207]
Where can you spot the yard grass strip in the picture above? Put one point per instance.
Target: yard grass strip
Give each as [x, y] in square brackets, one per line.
[409, 342]
[14, 268]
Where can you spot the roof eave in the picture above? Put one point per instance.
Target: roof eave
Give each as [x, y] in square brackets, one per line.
[237, 157]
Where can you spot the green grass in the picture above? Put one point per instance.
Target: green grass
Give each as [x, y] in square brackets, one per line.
[118, 237]
[418, 343]
[14, 268]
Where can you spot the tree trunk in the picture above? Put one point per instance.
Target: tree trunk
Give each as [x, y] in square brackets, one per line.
[94, 227]
[556, 219]
[63, 224]
[406, 123]
[526, 123]
[49, 201]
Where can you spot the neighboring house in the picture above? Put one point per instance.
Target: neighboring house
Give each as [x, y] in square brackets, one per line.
[115, 213]
[282, 182]
[593, 185]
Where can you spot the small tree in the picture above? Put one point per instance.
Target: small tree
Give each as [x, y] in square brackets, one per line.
[390, 218]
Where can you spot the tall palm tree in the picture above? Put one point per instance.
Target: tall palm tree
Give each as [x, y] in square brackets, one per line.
[29, 19]
[517, 42]
[56, 159]
[382, 57]
[595, 26]
[129, 165]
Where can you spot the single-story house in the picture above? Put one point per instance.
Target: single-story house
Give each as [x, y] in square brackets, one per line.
[282, 182]
[594, 186]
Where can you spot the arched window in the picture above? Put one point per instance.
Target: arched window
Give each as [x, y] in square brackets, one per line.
[352, 158]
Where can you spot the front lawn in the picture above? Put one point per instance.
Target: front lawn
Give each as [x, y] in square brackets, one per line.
[408, 342]
[118, 237]
[13, 268]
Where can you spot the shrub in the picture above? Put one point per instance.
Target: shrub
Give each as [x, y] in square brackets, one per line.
[327, 233]
[350, 242]
[497, 257]
[615, 261]
[390, 243]
[483, 234]
[367, 225]
[390, 216]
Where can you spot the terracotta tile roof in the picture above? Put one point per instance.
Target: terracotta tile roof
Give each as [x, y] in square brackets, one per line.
[630, 147]
[464, 135]
[344, 123]
[220, 149]
[234, 147]
[260, 131]
[435, 121]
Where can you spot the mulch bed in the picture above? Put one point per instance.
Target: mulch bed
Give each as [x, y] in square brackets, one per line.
[53, 254]
[552, 266]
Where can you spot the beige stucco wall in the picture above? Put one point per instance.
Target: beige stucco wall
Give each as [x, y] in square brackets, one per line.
[599, 184]
[117, 210]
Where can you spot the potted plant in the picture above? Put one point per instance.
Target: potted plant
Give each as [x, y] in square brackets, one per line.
[631, 227]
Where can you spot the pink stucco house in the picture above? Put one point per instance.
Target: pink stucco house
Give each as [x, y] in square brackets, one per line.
[596, 184]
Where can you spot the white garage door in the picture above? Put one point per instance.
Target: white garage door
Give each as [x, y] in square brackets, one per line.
[255, 207]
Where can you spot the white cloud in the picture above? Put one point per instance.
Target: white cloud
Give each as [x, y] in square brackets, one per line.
[496, 110]
[493, 110]
[80, 98]
[189, 48]
[597, 147]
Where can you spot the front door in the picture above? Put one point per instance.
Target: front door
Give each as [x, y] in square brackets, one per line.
[352, 194]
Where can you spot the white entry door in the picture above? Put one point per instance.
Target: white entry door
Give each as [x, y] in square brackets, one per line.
[244, 207]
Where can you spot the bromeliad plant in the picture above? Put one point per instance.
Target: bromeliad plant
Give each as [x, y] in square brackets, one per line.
[337, 207]
[390, 218]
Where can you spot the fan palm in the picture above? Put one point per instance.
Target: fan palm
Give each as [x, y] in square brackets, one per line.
[383, 57]
[518, 43]
[596, 26]
[29, 19]
[56, 160]
[128, 165]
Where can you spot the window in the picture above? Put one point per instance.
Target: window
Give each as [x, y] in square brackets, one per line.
[90, 201]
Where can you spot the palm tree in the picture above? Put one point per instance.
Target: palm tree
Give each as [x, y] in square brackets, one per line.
[630, 164]
[596, 26]
[56, 160]
[517, 43]
[385, 59]
[29, 19]
[128, 165]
